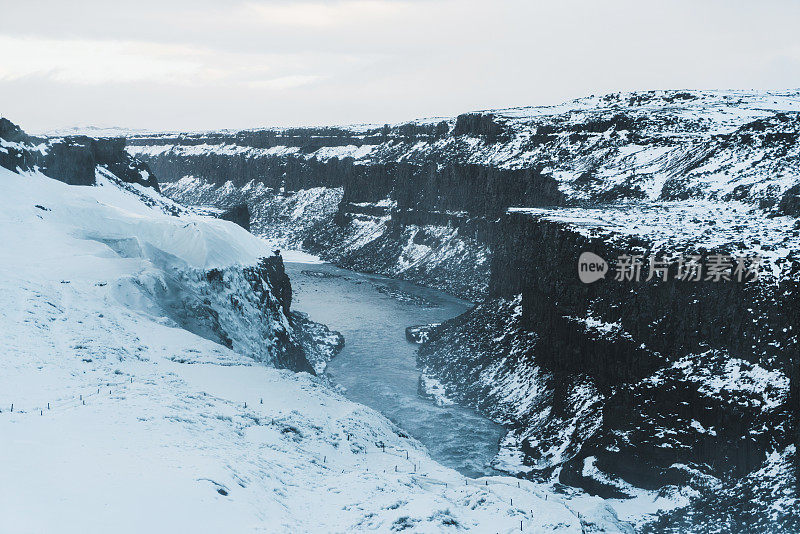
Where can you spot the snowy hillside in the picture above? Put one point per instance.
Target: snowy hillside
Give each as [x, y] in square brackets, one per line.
[115, 417]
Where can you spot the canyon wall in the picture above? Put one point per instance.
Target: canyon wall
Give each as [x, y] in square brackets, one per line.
[617, 386]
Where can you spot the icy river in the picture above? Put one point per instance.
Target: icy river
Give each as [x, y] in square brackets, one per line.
[377, 366]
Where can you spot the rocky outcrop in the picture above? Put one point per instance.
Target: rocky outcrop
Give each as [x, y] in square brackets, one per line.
[73, 160]
[239, 214]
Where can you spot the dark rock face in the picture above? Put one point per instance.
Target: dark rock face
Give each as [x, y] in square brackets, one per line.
[11, 132]
[479, 124]
[73, 160]
[239, 214]
[636, 381]
[790, 202]
[278, 280]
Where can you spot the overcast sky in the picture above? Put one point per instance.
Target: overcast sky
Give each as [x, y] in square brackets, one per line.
[200, 64]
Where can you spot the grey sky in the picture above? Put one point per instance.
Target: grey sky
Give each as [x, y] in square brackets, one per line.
[201, 64]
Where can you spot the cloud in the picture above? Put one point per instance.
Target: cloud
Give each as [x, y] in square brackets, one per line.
[98, 62]
[284, 82]
[326, 15]
[154, 64]
[87, 62]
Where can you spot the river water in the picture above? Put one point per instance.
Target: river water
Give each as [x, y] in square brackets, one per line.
[378, 365]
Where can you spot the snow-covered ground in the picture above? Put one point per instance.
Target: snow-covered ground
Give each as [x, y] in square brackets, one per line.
[124, 422]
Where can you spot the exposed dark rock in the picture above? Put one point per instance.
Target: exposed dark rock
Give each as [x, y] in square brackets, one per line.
[790, 202]
[240, 214]
[73, 160]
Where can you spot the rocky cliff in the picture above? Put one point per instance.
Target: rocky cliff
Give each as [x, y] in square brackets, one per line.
[73, 160]
[686, 389]
[244, 307]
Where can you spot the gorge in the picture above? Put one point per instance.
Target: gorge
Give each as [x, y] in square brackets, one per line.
[673, 401]
[688, 390]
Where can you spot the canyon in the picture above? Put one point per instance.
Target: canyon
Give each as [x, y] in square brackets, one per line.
[663, 392]
[685, 389]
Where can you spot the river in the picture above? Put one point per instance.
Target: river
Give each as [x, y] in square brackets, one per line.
[377, 366]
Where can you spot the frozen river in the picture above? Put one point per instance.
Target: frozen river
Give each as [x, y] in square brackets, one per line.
[378, 365]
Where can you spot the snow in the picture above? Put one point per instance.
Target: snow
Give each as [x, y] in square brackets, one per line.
[104, 214]
[675, 227]
[293, 255]
[206, 148]
[125, 422]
